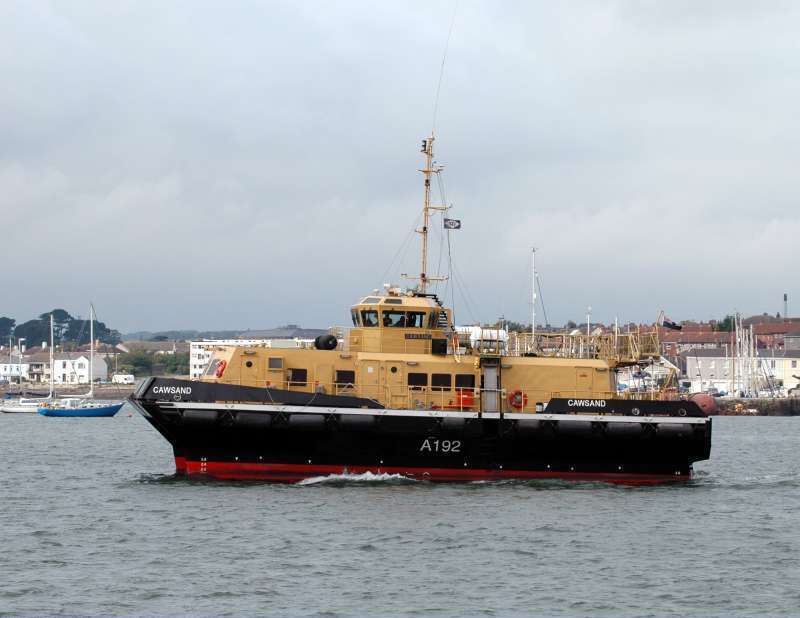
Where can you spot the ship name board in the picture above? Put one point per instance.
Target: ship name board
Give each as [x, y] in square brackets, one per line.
[172, 390]
[418, 336]
[587, 403]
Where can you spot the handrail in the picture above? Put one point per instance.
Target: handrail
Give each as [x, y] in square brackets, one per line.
[458, 399]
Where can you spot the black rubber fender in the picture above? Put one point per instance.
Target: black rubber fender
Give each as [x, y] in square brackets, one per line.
[199, 417]
[575, 428]
[253, 420]
[307, 422]
[623, 430]
[356, 422]
[326, 342]
[674, 430]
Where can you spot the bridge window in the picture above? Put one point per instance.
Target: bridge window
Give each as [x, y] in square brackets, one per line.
[369, 317]
[415, 319]
[394, 319]
[441, 381]
[354, 315]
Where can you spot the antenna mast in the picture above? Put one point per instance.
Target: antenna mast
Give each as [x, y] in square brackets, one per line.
[427, 150]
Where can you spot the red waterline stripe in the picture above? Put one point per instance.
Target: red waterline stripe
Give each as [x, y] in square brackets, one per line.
[292, 473]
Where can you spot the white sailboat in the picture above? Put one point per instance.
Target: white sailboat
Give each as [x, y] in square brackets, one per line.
[31, 404]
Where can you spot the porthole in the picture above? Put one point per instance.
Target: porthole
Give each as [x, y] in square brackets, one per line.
[681, 411]
[636, 412]
[248, 364]
[394, 370]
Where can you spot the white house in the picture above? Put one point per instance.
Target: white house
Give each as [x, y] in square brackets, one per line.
[10, 371]
[68, 367]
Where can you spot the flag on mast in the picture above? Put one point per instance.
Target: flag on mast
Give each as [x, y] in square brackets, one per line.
[452, 224]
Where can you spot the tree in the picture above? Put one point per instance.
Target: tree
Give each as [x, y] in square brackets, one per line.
[6, 327]
[78, 332]
[33, 331]
[725, 325]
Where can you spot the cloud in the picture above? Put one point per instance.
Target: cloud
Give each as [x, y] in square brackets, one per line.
[202, 165]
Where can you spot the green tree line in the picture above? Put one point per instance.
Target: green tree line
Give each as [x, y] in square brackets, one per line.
[66, 329]
[141, 363]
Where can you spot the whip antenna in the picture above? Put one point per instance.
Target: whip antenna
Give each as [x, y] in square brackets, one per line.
[441, 69]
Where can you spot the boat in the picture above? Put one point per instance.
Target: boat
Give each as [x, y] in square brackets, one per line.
[83, 406]
[30, 405]
[404, 391]
[79, 407]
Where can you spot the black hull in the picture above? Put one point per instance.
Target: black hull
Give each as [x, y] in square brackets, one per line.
[234, 432]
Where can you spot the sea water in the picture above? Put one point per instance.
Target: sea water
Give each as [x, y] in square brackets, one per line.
[93, 522]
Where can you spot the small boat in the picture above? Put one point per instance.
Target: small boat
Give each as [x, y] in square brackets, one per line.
[21, 405]
[29, 405]
[79, 407]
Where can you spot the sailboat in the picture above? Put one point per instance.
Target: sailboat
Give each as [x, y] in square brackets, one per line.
[80, 406]
[31, 404]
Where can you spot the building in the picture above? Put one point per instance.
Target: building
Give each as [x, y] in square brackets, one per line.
[68, 367]
[792, 341]
[11, 370]
[773, 372]
[154, 347]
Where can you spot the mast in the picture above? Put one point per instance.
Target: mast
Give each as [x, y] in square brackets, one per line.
[52, 361]
[427, 150]
[91, 350]
[533, 295]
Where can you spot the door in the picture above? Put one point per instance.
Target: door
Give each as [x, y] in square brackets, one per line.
[251, 370]
[583, 381]
[396, 388]
[490, 395]
[369, 384]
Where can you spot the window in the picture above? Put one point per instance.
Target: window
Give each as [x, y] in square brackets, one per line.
[794, 364]
[275, 363]
[344, 377]
[298, 377]
[354, 314]
[415, 319]
[369, 317]
[465, 380]
[417, 380]
[441, 381]
[392, 301]
[370, 300]
[394, 319]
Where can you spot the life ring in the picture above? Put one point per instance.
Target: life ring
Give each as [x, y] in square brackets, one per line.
[221, 368]
[517, 400]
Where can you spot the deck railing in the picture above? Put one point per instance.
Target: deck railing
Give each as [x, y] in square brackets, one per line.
[621, 348]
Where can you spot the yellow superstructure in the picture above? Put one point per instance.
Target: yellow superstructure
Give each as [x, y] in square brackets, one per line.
[404, 352]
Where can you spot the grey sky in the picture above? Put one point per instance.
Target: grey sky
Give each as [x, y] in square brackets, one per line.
[234, 165]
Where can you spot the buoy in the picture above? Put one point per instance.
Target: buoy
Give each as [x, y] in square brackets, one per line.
[517, 400]
[221, 368]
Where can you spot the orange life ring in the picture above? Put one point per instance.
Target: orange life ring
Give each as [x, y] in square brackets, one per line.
[221, 368]
[517, 400]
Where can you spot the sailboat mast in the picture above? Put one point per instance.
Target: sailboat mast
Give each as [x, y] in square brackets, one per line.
[91, 350]
[52, 360]
[533, 294]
